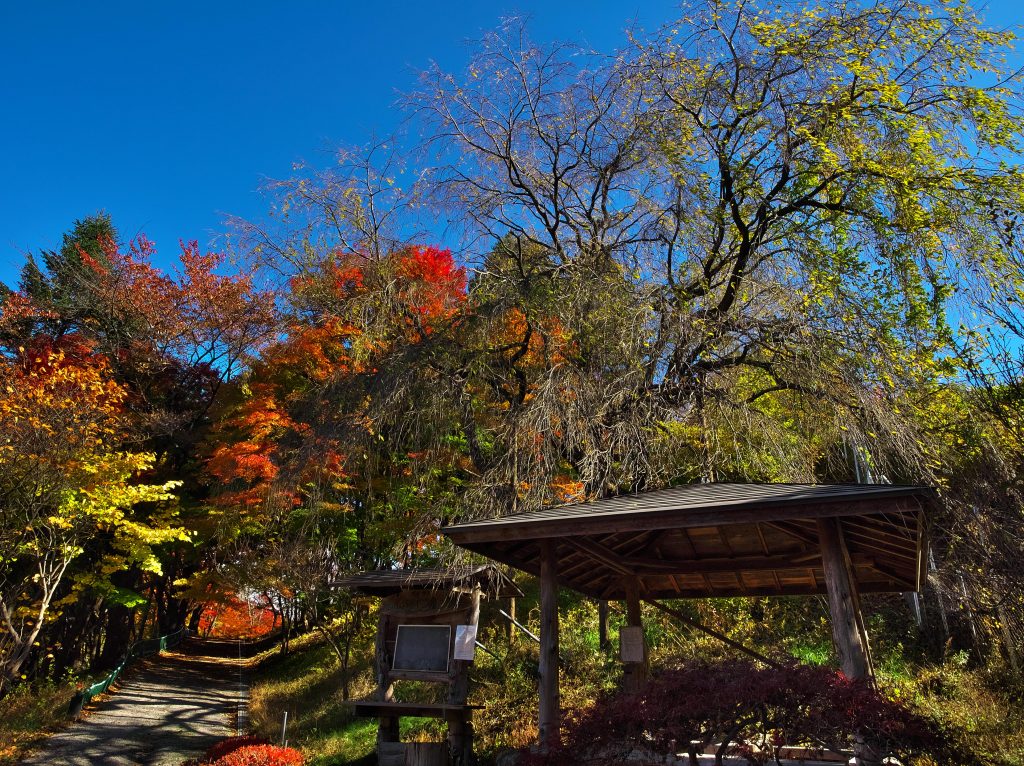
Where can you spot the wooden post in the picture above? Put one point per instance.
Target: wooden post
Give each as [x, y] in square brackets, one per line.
[510, 633]
[460, 728]
[424, 754]
[458, 686]
[458, 747]
[848, 632]
[602, 623]
[843, 601]
[635, 673]
[387, 726]
[549, 714]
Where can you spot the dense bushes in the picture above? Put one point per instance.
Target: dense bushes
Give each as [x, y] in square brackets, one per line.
[250, 751]
[229, 745]
[749, 711]
[262, 755]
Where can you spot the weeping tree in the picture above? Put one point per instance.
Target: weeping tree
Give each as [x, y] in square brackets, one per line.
[754, 206]
[727, 251]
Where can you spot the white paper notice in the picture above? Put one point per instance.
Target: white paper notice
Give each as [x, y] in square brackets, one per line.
[465, 642]
[631, 643]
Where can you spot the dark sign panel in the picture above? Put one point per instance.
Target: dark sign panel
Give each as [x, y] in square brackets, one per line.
[422, 648]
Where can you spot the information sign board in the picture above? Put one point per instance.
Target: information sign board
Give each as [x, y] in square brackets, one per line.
[422, 648]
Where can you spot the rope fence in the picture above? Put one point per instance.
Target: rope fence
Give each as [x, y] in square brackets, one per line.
[144, 648]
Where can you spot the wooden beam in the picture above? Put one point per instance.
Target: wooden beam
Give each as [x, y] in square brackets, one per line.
[843, 601]
[599, 552]
[729, 566]
[904, 579]
[633, 567]
[882, 536]
[684, 535]
[570, 565]
[863, 539]
[922, 551]
[661, 557]
[765, 550]
[602, 582]
[614, 592]
[635, 674]
[714, 633]
[793, 530]
[881, 526]
[549, 713]
[805, 558]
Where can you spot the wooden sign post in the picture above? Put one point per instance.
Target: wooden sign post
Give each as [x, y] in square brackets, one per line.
[636, 668]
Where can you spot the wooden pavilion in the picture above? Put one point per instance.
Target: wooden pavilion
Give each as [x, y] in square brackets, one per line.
[709, 540]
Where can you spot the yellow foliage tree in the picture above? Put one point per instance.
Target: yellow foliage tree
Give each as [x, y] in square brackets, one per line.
[66, 482]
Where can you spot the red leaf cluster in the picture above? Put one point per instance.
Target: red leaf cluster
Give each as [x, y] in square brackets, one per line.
[229, 745]
[235, 619]
[250, 751]
[434, 286]
[262, 755]
[750, 711]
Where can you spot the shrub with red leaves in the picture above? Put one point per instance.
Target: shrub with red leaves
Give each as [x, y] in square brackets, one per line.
[229, 745]
[261, 755]
[750, 712]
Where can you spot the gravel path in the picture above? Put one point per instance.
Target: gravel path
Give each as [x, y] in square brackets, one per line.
[169, 709]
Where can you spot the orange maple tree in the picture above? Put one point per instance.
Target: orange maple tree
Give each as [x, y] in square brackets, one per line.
[234, 618]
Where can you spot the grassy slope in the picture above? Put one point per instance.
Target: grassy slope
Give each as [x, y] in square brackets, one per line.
[307, 683]
[31, 713]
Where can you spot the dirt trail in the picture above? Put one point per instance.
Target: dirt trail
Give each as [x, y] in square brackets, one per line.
[170, 708]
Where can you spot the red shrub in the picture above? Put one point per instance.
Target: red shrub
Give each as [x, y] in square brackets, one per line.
[261, 755]
[735, 704]
[229, 745]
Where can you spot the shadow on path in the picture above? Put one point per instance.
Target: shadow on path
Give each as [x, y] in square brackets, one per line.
[170, 708]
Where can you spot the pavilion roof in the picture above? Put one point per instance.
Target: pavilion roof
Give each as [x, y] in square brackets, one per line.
[719, 539]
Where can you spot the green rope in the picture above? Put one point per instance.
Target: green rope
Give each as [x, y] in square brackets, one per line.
[145, 648]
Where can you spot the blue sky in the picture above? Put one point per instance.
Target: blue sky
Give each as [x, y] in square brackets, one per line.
[169, 115]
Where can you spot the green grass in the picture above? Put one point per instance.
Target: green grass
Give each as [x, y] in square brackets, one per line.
[971, 700]
[813, 654]
[29, 714]
[987, 704]
[307, 684]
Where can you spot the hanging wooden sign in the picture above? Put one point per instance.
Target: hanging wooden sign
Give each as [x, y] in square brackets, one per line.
[631, 643]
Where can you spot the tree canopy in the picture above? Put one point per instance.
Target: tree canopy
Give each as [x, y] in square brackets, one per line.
[765, 243]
